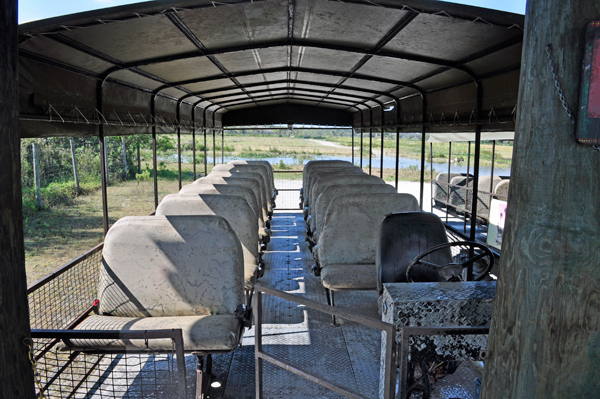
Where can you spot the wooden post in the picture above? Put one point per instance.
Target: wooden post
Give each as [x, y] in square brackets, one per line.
[16, 373]
[545, 332]
[124, 150]
[75, 172]
[37, 181]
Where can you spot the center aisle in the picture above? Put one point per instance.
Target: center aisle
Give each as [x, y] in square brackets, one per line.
[346, 355]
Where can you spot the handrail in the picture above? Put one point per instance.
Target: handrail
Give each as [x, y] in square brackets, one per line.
[175, 334]
[64, 268]
[390, 354]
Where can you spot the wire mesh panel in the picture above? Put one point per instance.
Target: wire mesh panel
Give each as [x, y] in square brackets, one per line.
[65, 373]
[58, 299]
[288, 185]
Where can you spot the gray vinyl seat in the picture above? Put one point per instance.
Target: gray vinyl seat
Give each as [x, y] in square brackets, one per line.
[230, 189]
[329, 179]
[348, 242]
[266, 164]
[249, 182]
[234, 209]
[486, 185]
[314, 165]
[260, 169]
[317, 171]
[402, 237]
[170, 272]
[333, 191]
[441, 190]
[458, 193]
[256, 178]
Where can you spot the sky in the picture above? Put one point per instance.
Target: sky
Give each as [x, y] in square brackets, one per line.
[31, 10]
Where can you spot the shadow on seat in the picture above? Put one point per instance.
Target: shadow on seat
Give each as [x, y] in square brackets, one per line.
[402, 237]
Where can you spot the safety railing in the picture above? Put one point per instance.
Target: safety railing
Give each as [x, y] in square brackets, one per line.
[288, 184]
[61, 297]
[411, 347]
[260, 355]
[61, 372]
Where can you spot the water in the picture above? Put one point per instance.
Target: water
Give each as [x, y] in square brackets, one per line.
[389, 162]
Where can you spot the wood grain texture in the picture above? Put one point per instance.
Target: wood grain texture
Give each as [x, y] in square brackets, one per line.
[545, 332]
[16, 375]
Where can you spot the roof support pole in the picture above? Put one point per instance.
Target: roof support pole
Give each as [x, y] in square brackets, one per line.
[370, 139]
[398, 115]
[179, 144]
[544, 338]
[214, 140]
[103, 156]
[205, 144]
[352, 145]
[16, 374]
[361, 139]
[382, 136]
[423, 134]
[194, 141]
[154, 162]
[222, 146]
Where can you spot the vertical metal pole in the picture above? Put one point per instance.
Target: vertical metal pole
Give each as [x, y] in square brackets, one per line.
[492, 171]
[397, 140]
[448, 178]
[352, 145]
[205, 150]
[179, 144]
[194, 140]
[370, 138]
[361, 139]
[431, 174]
[214, 140]
[106, 161]
[403, 365]
[154, 160]
[222, 145]
[36, 176]
[382, 136]
[475, 194]
[124, 151]
[258, 345]
[422, 192]
[155, 168]
[74, 161]
[103, 159]
[139, 158]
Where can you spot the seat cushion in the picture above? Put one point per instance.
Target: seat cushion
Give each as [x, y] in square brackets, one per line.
[350, 277]
[200, 333]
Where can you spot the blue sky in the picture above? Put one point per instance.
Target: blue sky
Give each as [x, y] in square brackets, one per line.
[31, 10]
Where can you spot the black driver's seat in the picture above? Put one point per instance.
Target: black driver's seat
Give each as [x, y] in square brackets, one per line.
[402, 237]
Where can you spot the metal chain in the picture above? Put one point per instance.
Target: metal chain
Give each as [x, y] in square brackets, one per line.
[36, 376]
[561, 96]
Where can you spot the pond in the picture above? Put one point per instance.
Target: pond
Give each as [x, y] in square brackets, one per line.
[389, 162]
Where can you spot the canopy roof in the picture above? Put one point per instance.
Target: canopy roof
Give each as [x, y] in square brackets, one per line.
[198, 63]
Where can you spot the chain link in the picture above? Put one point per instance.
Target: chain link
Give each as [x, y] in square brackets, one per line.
[37, 377]
[561, 96]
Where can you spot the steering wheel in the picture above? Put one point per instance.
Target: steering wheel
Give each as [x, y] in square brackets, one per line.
[454, 271]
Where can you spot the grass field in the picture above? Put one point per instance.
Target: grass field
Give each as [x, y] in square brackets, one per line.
[62, 232]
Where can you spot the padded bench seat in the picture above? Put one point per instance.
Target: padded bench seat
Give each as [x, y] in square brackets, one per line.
[350, 277]
[213, 333]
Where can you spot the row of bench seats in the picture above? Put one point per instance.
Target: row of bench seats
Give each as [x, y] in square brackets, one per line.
[450, 190]
[344, 208]
[191, 266]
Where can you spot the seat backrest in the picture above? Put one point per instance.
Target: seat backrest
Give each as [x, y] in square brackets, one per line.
[328, 179]
[486, 184]
[260, 169]
[317, 173]
[320, 164]
[236, 180]
[227, 189]
[351, 226]
[440, 186]
[265, 164]
[255, 177]
[171, 266]
[234, 209]
[458, 195]
[402, 237]
[330, 192]
[502, 188]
